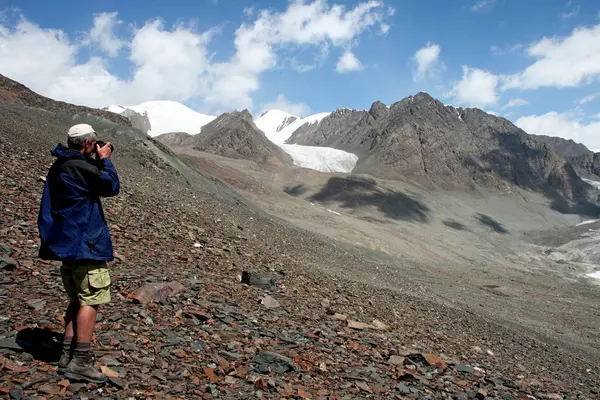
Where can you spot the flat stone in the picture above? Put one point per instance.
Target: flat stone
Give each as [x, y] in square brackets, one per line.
[396, 360]
[357, 325]
[270, 302]
[403, 389]
[269, 361]
[117, 382]
[465, 368]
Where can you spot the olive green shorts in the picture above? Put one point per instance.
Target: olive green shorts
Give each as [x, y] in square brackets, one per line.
[86, 282]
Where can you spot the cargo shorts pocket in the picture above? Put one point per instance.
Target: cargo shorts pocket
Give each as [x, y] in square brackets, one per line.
[99, 278]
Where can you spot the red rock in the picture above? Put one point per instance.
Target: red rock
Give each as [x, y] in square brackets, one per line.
[210, 372]
[198, 313]
[11, 366]
[357, 325]
[364, 386]
[109, 372]
[156, 292]
[339, 317]
[178, 352]
[435, 361]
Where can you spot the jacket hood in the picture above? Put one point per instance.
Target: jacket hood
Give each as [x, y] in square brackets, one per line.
[61, 151]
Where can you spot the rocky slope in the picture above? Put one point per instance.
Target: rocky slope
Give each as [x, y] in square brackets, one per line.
[421, 138]
[564, 147]
[588, 165]
[12, 92]
[232, 135]
[287, 332]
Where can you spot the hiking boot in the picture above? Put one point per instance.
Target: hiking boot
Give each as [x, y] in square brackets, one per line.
[82, 368]
[63, 363]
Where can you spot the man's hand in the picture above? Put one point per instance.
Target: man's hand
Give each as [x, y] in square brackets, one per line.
[104, 151]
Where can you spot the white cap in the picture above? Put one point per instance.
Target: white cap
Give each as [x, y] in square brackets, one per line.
[80, 130]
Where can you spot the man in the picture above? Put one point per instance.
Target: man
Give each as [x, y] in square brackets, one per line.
[73, 230]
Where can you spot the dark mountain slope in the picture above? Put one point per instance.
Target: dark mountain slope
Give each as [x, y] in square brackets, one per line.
[12, 92]
[232, 135]
[564, 147]
[421, 138]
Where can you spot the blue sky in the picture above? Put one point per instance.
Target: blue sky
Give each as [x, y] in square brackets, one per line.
[535, 62]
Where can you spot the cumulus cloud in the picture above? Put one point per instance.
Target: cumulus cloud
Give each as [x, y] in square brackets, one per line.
[103, 33]
[476, 88]
[174, 62]
[561, 61]
[427, 60]
[516, 103]
[348, 63]
[283, 104]
[565, 125]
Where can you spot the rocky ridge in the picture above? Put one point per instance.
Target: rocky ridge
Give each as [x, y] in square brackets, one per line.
[421, 138]
[232, 135]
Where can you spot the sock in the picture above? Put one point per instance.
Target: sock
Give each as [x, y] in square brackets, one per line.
[67, 341]
[82, 347]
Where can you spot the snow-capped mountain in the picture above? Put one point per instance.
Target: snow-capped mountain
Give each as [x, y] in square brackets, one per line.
[167, 116]
[279, 126]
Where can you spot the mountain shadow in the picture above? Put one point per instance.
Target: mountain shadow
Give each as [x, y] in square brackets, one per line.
[491, 223]
[532, 166]
[355, 192]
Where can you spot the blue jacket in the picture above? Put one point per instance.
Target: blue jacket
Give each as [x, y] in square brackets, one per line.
[71, 221]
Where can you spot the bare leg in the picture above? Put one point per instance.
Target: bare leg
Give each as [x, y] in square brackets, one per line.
[70, 317]
[85, 323]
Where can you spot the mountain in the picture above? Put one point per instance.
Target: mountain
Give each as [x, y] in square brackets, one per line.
[164, 117]
[564, 147]
[422, 139]
[232, 135]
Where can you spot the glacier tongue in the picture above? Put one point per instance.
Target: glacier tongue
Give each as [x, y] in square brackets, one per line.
[278, 126]
[324, 159]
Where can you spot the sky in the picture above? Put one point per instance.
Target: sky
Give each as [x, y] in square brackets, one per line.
[536, 62]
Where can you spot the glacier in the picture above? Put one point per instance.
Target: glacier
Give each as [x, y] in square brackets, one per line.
[279, 126]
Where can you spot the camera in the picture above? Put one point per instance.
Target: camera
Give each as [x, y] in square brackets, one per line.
[101, 143]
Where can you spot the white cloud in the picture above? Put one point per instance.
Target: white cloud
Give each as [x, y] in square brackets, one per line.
[495, 113]
[103, 33]
[313, 25]
[588, 99]
[597, 116]
[482, 5]
[174, 63]
[561, 61]
[283, 104]
[178, 74]
[503, 50]
[348, 63]
[428, 60]
[565, 125]
[570, 14]
[516, 103]
[476, 88]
